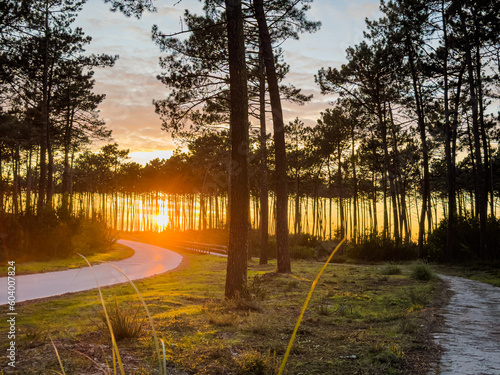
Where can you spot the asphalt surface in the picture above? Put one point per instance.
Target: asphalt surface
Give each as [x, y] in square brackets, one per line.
[148, 260]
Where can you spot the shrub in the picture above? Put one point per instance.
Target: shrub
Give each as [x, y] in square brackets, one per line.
[254, 290]
[93, 236]
[422, 272]
[254, 363]
[418, 297]
[301, 252]
[376, 248]
[299, 242]
[303, 239]
[37, 238]
[47, 236]
[467, 235]
[390, 269]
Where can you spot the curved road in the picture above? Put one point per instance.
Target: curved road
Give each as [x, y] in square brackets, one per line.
[470, 338]
[148, 260]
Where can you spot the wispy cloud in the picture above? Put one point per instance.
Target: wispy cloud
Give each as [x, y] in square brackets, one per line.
[131, 85]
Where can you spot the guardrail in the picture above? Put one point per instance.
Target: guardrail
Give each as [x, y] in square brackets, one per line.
[197, 247]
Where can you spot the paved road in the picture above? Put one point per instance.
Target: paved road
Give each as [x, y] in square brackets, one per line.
[471, 332]
[148, 260]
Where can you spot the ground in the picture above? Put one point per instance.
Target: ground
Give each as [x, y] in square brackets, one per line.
[359, 321]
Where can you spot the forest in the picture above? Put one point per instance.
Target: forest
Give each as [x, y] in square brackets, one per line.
[407, 154]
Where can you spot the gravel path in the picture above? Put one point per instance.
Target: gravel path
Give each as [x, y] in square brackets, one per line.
[148, 260]
[470, 337]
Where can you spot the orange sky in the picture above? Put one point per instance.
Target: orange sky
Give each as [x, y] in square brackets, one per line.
[131, 85]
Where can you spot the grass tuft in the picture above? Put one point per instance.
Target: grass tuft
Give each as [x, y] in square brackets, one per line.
[390, 269]
[125, 323]
[324, 307]
[223, 320]
[422, 272]
[255, 363]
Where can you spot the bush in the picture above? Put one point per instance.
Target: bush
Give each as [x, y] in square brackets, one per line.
[301, 252]
[390, 269]
[37, 237]
[47, 236]
[254, 244]
[467, 234]
[254, 363]
[296, 242]
[92, 237]
[376, 248]
[422, 272]
[303, 239]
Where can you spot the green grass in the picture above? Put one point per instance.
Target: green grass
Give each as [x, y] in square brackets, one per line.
[390, 269]
[422, 272]
[375, 324]
[485, 273]
[117, 252]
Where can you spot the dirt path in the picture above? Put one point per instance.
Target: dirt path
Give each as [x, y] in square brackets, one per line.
[147, 261]
[470, 336]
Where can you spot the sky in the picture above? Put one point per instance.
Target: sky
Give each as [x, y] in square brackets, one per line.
[131, 85]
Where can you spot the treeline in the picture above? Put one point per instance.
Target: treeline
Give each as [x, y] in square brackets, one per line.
[418, 88]
[412, 121]
[48, 109]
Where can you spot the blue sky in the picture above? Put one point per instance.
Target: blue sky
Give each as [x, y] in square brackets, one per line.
[131, 84]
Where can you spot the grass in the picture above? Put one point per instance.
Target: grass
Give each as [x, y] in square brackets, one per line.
[390, 269]
[422, 272]
[117, 252]
[486, 273]
[374, 324]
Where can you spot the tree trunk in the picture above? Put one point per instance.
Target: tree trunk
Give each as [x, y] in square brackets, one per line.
[28, 184]
[239, 197]
[1, 184]
[488, 180]
[341, 201]
[481, 200]
[450, 163]
[383, 129]
[355, 188]
[283, 256]
[393, 173]
[425, 151]
[264, 187]
[297, 226]
[15, 180]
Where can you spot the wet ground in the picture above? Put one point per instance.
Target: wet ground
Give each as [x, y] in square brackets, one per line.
[470, 334]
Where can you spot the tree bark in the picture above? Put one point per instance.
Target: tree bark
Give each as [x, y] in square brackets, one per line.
[264, 186]
[450, 162]
[425, 151]
[355, 186]
[45, 120]
[283, 256]
[481, 199]
[236, 276]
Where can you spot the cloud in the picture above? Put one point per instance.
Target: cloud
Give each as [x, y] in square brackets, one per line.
[131, 85]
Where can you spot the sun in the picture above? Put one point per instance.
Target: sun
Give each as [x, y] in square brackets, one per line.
[161, 220]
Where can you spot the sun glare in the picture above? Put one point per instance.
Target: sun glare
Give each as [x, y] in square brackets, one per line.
[143, 157]
[161, 221]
